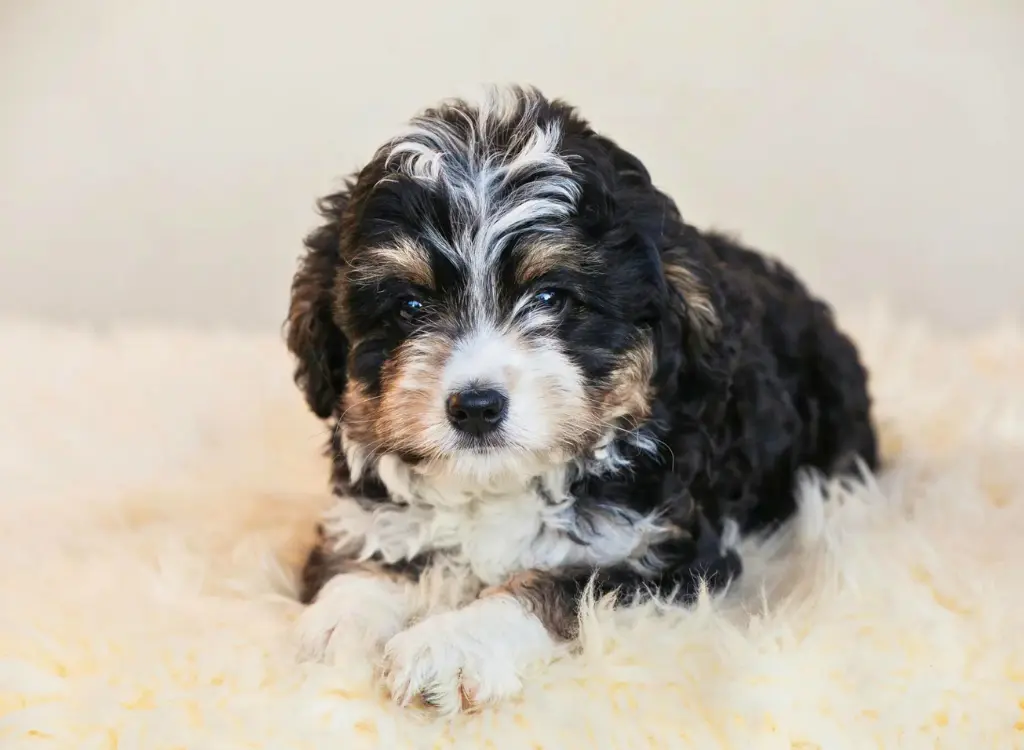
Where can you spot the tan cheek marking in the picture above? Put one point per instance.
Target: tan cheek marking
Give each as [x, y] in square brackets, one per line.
[410, 393]
[700, 312]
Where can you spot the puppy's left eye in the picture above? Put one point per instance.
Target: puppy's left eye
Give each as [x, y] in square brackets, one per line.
[411, 306]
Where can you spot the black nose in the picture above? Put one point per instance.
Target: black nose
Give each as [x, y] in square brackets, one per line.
[477, 411]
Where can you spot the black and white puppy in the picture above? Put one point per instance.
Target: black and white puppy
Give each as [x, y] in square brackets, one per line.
[539, 377]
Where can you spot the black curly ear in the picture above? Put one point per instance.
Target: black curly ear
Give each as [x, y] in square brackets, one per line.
[313, 335]
[687, 336]
[654, 218]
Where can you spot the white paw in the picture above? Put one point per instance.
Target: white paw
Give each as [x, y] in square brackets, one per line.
[457, 660]
[353, 612]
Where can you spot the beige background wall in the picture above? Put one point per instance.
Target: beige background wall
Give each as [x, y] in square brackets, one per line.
[159, 159]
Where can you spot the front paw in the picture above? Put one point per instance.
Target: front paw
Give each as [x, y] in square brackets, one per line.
[352, 612]
[459, 660]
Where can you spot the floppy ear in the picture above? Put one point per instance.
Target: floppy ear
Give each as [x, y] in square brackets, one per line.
[690, 350]
[313, 334]
[669, 240]
[690, 296]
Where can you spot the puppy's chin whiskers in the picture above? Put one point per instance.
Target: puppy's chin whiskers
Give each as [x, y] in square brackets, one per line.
[487, 472]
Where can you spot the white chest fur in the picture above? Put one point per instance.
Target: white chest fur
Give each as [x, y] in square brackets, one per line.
[493, 533]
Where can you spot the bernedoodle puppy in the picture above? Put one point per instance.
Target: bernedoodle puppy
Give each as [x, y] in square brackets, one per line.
[538, 378]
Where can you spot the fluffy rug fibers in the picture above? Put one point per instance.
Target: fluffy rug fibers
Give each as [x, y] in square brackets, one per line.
[159, 489]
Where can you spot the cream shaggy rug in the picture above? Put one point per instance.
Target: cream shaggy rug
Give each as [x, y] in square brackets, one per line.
[159, 488]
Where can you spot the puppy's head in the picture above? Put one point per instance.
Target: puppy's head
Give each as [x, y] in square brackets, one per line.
[492, 294]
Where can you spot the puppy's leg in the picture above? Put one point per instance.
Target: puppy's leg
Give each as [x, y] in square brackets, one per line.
[474, 655]
[360, 610]
[480, 653]
[353, 604]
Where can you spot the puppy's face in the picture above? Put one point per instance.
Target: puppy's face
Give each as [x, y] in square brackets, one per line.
[494, 295]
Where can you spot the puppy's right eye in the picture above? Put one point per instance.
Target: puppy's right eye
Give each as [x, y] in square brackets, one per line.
[409, 310]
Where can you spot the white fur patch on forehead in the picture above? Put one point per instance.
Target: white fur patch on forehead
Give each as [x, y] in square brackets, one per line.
[498, 165]
[463, 136]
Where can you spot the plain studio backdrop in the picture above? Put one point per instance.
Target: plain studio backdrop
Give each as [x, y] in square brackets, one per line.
[159, 160]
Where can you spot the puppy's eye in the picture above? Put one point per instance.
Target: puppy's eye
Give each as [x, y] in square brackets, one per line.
[409, 310]
[550, 298]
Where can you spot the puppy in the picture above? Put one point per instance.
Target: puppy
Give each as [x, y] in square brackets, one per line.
[539, 377]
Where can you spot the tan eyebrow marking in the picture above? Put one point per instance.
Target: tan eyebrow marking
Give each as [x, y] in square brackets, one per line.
[403, 257]
[541, 257]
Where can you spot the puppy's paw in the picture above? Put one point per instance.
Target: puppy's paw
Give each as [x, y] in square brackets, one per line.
[459, 660]
[352, 612]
